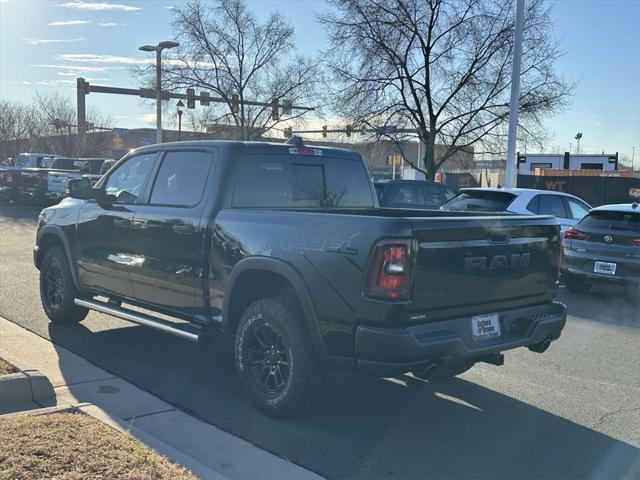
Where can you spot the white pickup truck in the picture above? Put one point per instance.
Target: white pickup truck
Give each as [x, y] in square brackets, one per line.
[91, 168]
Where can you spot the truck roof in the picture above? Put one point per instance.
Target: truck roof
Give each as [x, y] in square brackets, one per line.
[253, 147]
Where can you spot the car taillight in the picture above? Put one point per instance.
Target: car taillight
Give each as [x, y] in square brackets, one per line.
[390, 271]
[573, 234]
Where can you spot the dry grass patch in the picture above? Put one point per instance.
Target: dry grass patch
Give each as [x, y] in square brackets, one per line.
[6, 368]
[74, 446]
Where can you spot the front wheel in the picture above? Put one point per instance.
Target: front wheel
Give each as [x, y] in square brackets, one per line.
[275, 358]
[57, 290]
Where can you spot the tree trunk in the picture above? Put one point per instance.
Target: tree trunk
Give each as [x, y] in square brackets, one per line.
[429, 157]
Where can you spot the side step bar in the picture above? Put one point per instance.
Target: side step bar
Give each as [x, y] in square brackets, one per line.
[137, 317]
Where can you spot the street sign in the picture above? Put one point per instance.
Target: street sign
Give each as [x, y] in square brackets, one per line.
[120, 130]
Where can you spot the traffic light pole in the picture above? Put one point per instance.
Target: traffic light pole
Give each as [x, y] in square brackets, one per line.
[85, 88]
[158, 95]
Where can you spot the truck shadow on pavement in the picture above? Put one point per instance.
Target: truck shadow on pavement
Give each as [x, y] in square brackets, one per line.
[362, 427]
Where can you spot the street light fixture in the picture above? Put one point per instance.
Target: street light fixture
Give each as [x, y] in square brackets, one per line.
[180, 107]
[158, 49]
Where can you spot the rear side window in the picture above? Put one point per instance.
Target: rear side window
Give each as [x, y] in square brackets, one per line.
[481, 201]
[552, 205]
[181, 179]
[577, 209]
[404, 194]
[612, 220]
[429, 196]
[280, 181]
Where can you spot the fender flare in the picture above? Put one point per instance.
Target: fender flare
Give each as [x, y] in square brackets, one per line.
[290, 274]
[56, 231]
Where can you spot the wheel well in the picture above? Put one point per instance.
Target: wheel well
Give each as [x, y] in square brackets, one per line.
[46, 242]
[252, 285]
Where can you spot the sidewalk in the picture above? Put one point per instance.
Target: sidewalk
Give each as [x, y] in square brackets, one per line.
[204, 449]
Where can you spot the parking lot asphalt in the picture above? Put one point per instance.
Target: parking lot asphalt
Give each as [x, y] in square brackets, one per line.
[572, 412]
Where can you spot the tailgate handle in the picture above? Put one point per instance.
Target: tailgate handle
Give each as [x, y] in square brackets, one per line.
[499, 237]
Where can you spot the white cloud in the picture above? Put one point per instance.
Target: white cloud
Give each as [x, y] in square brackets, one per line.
[170, 7]
[48, 83]
[63, 23]
[42, 41]
[80, 5]
[149, 117]
[95, 58]
[73, 68]
[111, 24]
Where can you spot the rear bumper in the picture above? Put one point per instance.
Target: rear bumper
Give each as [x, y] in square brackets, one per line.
[581, 265]
[384, 352]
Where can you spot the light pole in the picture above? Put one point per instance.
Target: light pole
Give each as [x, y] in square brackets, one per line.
[510, 170]
[578, 137]
[158, 49]
[180, 107]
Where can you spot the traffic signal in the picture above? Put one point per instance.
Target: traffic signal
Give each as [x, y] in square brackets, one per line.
[288, 132]
[286, 107]
[324, 131]
[191, 98]
[394, 159]
[275, 115]
[235, 103]
[57, 123]
[204, 100]
[348, 130]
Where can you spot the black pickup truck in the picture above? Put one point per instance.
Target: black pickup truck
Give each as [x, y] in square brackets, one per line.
[284, 246]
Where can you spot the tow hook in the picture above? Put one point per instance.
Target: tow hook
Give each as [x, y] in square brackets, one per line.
[494, 359]
[540, 347]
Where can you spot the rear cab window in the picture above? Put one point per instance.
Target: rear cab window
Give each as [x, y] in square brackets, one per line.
[181, 178]
[300, 181]
[481, 201]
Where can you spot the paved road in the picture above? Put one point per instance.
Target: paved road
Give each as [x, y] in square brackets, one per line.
[573, 412]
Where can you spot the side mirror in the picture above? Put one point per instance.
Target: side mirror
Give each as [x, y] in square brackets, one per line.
[80, 188]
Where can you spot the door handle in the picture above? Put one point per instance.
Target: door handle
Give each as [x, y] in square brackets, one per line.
[184, 228]
[139, 223]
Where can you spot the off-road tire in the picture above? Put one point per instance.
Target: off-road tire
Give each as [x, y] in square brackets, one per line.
[577, 285]
[55, 268]
[305, 377]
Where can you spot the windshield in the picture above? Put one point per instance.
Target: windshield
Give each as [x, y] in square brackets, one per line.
[481, 201]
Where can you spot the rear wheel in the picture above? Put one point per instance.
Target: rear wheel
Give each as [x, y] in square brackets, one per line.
[577, 285]
[57, 290]
[275, 358]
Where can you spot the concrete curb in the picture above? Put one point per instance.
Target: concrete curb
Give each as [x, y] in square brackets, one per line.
[204, 449]
[24, 388]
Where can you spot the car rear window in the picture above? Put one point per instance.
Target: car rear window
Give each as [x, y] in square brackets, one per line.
[612, 220]
[482, 201]
[292, 181]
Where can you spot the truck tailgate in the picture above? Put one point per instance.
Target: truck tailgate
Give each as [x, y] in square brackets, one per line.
[57, 181]
[483, 264]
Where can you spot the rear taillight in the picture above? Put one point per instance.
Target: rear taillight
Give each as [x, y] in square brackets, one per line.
[559, 267]
[390, 271]
[573, 234]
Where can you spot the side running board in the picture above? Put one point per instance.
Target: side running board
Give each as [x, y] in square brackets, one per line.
[139, 318]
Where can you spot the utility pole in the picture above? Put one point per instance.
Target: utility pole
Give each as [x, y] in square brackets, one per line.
[515, 96]
[633, 158]
[158, 49]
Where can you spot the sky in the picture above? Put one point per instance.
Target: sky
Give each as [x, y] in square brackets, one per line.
[46, 44]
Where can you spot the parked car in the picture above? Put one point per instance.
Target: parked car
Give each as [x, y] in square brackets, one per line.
[412, 194]
[10, 175]
[567, 208]
[57, 180]
[284, 246]
[49, 182]
[604, 247]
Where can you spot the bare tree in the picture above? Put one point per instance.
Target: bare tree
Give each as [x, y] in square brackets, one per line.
[56, 118]
[225, 50]
[18, 126]
[442, 68]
